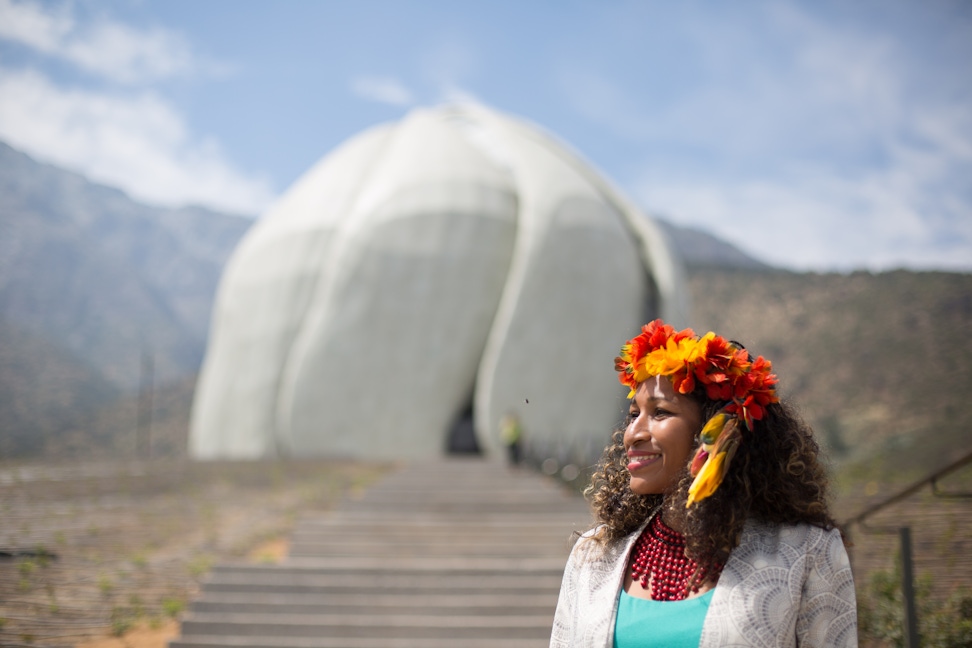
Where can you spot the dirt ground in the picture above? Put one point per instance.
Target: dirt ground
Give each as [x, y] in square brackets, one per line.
[143, 635]
[109, 554]
[157, 635]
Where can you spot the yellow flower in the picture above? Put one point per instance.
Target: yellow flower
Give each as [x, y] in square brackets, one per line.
[662, 362]
[677, 356]
[697, 349]
[639, 370]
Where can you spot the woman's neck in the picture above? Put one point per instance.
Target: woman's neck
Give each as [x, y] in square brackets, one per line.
[671, 516]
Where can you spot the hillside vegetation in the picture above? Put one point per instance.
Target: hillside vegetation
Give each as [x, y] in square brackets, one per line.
[880, 364]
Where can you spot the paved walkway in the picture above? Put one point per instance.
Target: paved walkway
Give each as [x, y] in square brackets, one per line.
[458, 553]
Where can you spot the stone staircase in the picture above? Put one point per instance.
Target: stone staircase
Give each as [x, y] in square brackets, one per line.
[457, 552]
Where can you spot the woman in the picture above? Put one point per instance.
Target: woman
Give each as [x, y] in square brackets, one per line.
[713, 527]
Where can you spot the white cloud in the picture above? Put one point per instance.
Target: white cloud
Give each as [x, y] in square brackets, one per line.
[109, 49]
[122, 54]
[138, 143]
[32, 25]
[382, 90]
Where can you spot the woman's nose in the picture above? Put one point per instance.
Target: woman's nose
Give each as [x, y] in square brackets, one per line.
[637, 430]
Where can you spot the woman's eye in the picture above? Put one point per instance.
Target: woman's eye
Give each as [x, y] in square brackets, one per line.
[662, 413]
[631, 416]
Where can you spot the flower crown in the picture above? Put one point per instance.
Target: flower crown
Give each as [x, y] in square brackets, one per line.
[726, 372]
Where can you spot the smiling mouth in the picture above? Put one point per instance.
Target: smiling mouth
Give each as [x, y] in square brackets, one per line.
[640, 461]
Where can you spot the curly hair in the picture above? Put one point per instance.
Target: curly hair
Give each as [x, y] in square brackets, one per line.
[775, 477]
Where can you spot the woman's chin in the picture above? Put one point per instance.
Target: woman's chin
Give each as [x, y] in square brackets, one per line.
[641, 486]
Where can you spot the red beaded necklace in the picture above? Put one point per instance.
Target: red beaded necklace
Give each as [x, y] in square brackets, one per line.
[659, 554]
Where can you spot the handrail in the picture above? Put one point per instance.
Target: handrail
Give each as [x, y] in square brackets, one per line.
[907, 569]
[912, 489]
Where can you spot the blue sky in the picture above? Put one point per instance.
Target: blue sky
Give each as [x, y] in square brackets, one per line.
[817, 135]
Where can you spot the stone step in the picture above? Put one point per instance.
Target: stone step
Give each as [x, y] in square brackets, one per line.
[459, 568]
[486, 495]
[403, 537]
[456, 627]
[375, 522]
[406, 530]
[432, 526]
[401, 589]
[410, 529]
[460, 508]
[383, 604]
[454, 564]
[415, 582]
[413, 548]
[203, 641]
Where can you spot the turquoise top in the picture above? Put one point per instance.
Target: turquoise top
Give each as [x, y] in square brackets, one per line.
[643, 623]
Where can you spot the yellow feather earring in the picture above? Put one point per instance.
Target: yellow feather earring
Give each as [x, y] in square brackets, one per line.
[720, 439]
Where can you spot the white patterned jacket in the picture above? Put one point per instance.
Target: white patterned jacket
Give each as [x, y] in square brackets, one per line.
[782, 586]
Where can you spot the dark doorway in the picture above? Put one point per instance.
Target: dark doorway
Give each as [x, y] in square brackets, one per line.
[462, 435]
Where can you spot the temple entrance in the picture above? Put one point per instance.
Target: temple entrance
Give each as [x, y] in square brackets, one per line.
[461, 439]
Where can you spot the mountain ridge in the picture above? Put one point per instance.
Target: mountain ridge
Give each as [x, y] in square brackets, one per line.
[91, 282]
[76, 255]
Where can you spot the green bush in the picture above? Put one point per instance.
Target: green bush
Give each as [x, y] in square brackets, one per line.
[171, 607]
[941, 623]
[122, 620]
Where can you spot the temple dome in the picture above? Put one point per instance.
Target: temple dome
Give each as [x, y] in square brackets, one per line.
[458, 260]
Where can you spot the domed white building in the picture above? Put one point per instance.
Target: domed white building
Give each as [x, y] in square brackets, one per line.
[458, 262]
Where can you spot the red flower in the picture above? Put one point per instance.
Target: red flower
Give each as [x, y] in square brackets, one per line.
[656, 334]
[684, 382]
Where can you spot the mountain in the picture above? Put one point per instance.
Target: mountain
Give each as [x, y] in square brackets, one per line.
[107, 278]
[703, 250]
[91, 283]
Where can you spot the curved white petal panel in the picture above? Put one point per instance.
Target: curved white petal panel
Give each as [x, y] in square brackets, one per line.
[576, 289]
[262, 300]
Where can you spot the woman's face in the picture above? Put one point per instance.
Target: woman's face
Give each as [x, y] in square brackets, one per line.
[660, 435]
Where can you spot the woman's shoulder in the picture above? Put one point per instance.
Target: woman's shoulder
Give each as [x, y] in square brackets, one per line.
[591, 541]
[787, 542]
[595, 545]
[800, 534]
